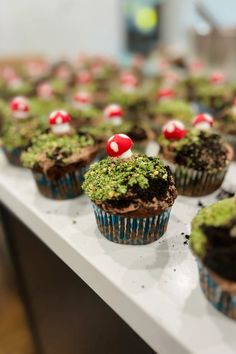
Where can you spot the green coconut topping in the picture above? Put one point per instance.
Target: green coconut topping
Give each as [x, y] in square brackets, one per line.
[127, 99]
[24, 89]
[218, 214]
[19, 133]
[111, 178]
[91, 113]
[50, 146]
[175, 109]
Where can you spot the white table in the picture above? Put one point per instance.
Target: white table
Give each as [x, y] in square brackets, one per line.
[153, 288]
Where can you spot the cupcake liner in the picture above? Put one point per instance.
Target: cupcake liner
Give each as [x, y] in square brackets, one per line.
[222, 300]
[13, 156]
[66, 187]
[231, 139]
[131, 231]
[193, 183]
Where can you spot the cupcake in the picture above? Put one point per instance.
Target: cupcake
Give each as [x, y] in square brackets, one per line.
[82, 110]
[132, 194]
[226, 124]
[169, 108]
[19, 127]
[198, 158]
[214, 95]
[213, 241]
[59, 158]
[113, 123]
[131, 97]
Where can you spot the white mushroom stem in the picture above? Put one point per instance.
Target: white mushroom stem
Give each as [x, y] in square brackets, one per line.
[116, 120]
[203, 126]
[126, 154]
[60, 128]
[81, 106]
[20, 115]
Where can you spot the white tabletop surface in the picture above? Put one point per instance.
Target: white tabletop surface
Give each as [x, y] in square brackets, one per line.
[154, 288]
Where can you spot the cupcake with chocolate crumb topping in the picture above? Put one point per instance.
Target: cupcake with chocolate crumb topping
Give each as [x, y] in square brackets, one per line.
[199, 159]
[213, 241]
[59, 158]
[132, 194]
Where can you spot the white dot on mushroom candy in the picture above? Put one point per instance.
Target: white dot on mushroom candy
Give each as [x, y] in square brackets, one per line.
[114, 146]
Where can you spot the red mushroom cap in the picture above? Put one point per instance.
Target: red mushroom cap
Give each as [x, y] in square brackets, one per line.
[84, 77]
[44, 89]
[217, 78]
[59, 117]
[166, 92]
[118, 144]
[174, 130]
[82, 97]
[128, 79]
[113, 110]
[19, 104]
[203, 118]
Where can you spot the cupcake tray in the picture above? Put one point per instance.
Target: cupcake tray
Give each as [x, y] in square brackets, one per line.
[153, 288]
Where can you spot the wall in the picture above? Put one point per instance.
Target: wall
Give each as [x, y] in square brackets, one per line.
[58, 27]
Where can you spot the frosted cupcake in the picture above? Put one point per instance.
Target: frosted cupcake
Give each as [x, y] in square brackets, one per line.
[132, 194]
[19, 127]
[59, 158]
[198, 158]
[213, 241]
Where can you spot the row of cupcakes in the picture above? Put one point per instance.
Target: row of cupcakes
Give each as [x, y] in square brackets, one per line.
[132, 194]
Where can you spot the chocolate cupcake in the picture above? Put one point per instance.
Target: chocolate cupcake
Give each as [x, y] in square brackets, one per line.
[199, 159]
[132, 195]
[82, 110]
[59, 158]
[113, 123]
[226, 124]
[19, 127]
[166, 109]
[213, 241]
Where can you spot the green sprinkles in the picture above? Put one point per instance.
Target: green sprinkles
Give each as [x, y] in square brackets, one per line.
[50, 146]
[112, 178]
[218, 214]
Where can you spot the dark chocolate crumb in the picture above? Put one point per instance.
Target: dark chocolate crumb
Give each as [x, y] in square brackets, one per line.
[224, 194]
[200, 204]
[74, 221]
[182, 233]
[187, 237]
[142, 286]
[174, 270]
[185, 242]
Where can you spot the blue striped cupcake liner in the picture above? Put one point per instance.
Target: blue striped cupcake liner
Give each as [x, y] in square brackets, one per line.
[222, 300]
[66, 187]
[193, 183]
[131, 231]
[13, 156]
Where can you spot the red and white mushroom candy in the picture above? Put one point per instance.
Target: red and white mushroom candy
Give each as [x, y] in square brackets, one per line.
[82, 100]
[19, 107]
[129, 82]
[119, 145]
[174, 130]
[45, 90]
[217, 78]
[203, 121]
[165, 93]
[60, 122]
[113, 113]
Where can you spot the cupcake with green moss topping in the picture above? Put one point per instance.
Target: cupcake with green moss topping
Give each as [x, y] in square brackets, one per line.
[59, 158]
[82, 110]
[215, 95]
[213, 241]
[131, 96]
[166, 109]
[16, 85]
[132, 194]
[226, 124]
[113, 123]
[199, 159]
[19, 127]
